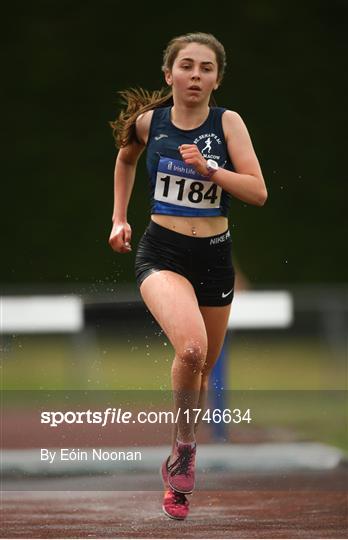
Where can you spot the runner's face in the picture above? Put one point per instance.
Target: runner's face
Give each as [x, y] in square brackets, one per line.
[194, 74]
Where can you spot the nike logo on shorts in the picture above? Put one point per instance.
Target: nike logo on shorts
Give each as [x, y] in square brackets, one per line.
[226, 294]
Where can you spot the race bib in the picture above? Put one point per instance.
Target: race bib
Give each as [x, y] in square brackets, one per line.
[180, 184]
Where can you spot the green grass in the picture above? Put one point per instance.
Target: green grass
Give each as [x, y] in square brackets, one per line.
[62, 363]
[301, 364]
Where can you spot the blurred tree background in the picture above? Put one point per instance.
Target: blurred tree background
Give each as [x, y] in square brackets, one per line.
[63, 63]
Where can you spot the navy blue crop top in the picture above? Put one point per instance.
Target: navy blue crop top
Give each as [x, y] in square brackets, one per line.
[176, 188]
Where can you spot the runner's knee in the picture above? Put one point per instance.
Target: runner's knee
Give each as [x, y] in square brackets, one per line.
[192, 356]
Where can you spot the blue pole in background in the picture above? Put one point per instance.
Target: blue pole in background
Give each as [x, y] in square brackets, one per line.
[218, 382]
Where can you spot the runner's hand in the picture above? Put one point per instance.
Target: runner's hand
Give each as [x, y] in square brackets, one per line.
[192, 156]
[120, 237]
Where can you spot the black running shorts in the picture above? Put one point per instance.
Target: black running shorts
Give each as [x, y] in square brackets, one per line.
[206, 262]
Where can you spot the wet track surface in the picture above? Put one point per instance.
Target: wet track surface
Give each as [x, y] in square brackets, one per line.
[294, 505]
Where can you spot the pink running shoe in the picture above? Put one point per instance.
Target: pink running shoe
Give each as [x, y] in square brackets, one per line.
[181, 475]
[175, 505]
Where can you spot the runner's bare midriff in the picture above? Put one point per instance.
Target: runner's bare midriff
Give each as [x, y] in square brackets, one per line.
[192, 226]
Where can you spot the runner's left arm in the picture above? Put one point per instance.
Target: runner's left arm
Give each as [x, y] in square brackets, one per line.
[246, 183]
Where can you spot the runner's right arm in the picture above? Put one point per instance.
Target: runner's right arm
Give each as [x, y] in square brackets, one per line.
[125, 168]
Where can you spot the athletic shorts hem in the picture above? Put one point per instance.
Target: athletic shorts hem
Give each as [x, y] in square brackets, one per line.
[201, 302]
[214, 303]
[145, 273]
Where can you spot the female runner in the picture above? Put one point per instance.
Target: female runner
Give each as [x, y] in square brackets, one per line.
[198, 155]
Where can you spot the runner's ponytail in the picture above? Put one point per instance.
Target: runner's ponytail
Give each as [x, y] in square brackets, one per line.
[137, 101]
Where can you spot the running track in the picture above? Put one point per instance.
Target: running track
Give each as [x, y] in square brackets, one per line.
[294, 505]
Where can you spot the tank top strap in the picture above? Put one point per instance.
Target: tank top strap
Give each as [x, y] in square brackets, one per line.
[160, 117]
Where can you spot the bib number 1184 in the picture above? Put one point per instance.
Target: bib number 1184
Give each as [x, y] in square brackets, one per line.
[185, 192]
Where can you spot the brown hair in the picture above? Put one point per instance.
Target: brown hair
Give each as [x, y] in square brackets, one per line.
[138, 101]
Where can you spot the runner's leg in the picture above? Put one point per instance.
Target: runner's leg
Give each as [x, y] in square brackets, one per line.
[215, 321]
[172, 301]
